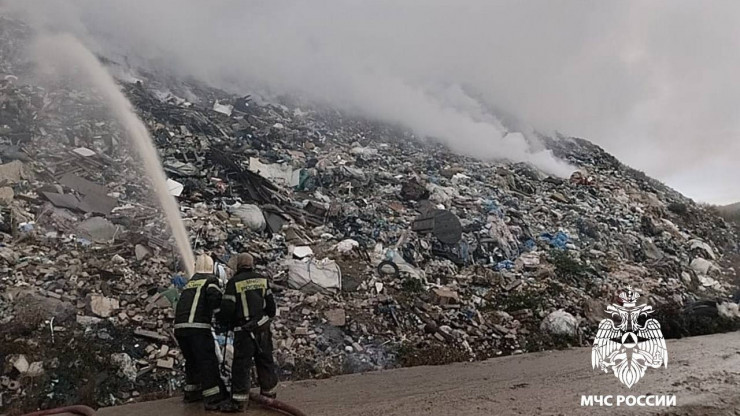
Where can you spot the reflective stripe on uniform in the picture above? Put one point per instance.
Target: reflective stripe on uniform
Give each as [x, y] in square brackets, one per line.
[192, 387]
[230, 298]
[263, 320]
[199, 284]
[211, 391]
[215, 286]
[192, 325]
[245, 305]
[240, 397]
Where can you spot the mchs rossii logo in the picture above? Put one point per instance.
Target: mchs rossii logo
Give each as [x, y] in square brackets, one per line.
[629, 348]
[627, 345]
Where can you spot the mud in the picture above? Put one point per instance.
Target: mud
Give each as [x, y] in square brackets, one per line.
[702, 372]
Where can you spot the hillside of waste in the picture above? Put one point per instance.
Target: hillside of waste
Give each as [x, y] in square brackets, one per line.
[384, 249]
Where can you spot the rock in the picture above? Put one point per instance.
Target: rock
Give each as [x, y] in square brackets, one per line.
[20, 363]
[167, 363]
[336, 317]
[102, 306]
[300, 331]
[560, 323]
[444, 296]
[6, 195]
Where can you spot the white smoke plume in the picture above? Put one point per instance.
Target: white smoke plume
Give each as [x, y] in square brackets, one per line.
[652, 82]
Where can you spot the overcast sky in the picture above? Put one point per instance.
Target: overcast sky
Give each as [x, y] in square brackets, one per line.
[653, 82]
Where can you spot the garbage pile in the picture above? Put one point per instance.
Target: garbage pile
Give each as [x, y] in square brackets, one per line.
[379, 246]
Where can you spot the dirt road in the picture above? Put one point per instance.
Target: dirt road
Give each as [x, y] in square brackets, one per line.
[703, 373]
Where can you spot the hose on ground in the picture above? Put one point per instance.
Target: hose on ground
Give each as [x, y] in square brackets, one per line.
[275, 405]
[77, 410]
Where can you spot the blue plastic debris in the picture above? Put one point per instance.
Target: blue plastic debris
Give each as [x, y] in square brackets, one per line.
[179, 281]
[559, 240]
[490, 206]
[506, 264]
[84, 241]
[529, 245]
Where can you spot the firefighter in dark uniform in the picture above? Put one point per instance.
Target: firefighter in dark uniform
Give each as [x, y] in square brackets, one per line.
[247, 307]
[199, 300]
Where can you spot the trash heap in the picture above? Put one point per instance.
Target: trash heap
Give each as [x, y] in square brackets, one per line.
[383, 249]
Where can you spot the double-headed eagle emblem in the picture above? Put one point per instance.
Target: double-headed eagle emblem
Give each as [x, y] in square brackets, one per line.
[629, 348]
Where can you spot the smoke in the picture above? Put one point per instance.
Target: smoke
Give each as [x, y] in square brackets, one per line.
[653, 82]
[63, 55]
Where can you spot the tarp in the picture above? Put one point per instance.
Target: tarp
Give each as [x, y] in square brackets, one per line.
[314, 275]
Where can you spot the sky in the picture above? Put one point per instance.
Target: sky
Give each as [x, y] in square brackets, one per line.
[652, 82]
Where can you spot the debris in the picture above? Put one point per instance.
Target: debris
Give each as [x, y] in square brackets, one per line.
[444, 296]
[97, 229]
[11, 173]
[166, 363]
[20, 363]
[346, 246]
[141, 252]
[151, 335]
[313, 275]
[251, 216]
[223, 108]
[560, 323]
[336, 317]
[443, 224]
[302, 252]
[281, 173]
[102, 306]
[704, 267]
[6, 195]
[84, 152]
[36, 369]
[174, 187]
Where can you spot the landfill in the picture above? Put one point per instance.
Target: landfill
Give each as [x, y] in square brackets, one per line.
[383, 249]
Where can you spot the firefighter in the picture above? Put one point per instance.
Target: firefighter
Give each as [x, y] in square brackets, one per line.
[199, 300]
[247, 308]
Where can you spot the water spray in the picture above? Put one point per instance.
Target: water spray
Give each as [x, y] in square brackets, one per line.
[68, 51]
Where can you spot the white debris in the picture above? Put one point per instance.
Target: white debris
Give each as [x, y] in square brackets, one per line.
[560, 323]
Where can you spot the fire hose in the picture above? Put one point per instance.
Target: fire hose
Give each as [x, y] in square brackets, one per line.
[275, 404]
[74, 410]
